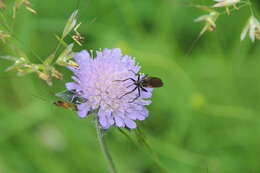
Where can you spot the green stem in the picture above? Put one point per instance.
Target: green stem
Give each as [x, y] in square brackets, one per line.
[231, 10]
[104, 149]
[250, 7]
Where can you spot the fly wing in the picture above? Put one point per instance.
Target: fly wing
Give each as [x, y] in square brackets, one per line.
[156, 82]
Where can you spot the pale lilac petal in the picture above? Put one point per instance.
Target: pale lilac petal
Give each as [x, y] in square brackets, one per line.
[72, 86]
[133, 115]
[147, 94]
[111, 120]
[103, 120]
[143, 114]
[130, 123]
[116, 52]
[83, 110]
[119, 121]
[138, 115]
[82, 58]
[144, 102]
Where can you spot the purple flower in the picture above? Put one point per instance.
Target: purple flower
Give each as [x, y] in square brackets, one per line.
[95, 80]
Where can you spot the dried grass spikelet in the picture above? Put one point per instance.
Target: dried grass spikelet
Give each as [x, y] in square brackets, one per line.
[47, 72]
[226, 4]
[65, 58]
[257, 34]
[71, 23]
[209, 20]
[19, 3]
[56, 74]
[252, 28]
[4, 35]
[23, 67]
[18, 62]
[77, 37]
[45, 77]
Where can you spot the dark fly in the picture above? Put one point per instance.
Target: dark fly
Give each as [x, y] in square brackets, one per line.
[141, 83]
[71, 99]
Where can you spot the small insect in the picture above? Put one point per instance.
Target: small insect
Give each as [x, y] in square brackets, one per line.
[59, 103]
[72, 99]
[66, 105]
[71, 96]
[141, 84]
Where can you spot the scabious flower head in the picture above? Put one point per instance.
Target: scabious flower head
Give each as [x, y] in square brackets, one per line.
[225, 3]
[253, 28]
[96, 80]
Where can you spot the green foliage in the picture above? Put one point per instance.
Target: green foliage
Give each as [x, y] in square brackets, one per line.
[204, 120]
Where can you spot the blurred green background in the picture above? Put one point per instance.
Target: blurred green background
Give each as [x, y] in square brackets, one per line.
[204, 120]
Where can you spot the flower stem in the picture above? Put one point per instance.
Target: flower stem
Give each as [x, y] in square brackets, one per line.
[250, 7]
[104, 149]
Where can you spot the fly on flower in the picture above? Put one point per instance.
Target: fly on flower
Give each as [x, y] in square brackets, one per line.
[71, 99]
[141, 83]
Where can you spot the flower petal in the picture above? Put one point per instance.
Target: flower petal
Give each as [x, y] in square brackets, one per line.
[82, 58]
[103, 118]
[72, 86]
[119, 122]
[83, 110]
[130, 123]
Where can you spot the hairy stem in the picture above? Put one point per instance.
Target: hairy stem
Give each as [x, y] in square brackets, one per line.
[104, 149]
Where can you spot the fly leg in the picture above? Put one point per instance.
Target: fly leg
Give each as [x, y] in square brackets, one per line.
[129, 92]
[124, 80]
[139, 94]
